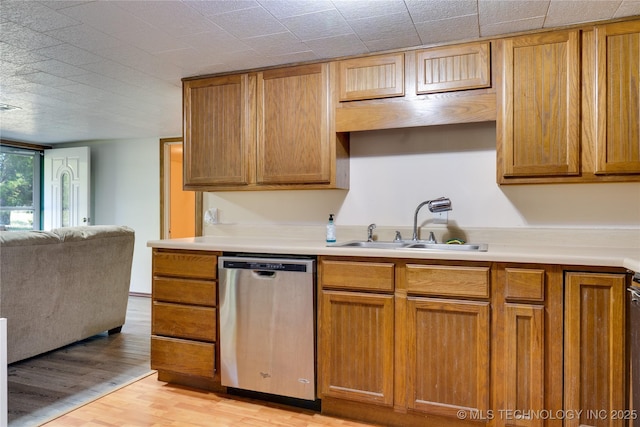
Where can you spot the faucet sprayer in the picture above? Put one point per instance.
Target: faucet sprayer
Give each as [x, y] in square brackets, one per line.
[441, 204]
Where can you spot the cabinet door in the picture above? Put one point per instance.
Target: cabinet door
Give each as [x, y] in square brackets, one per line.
[448, 358]
[453, 68]
[524, 357]
[539, 119]
[356, 347]
[292, 135]
[372, 77]
[618, 98]
[218, 131]
[594, 369]
[527, 355]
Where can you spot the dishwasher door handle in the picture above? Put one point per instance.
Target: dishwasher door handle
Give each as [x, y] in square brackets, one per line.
[635, 294]
[264, 274]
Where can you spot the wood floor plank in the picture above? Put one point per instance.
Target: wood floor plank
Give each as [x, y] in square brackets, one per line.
[48, 384]
[149, 402]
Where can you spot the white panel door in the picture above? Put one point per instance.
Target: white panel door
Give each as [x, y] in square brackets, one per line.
[66, 187]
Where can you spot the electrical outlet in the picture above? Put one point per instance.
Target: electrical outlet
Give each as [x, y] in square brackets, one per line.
[211, 216]
[440, 217]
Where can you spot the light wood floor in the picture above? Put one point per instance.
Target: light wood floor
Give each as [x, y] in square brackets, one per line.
[54, 382]
[149, 402]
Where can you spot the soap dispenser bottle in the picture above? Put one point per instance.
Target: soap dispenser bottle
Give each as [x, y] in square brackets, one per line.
[331, 230]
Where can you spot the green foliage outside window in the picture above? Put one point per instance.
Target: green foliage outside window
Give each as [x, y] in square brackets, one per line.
[16, 182]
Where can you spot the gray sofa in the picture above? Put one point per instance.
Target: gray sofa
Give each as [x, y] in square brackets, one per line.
[63, 286]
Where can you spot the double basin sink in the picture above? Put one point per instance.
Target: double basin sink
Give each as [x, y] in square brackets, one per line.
[412, 244]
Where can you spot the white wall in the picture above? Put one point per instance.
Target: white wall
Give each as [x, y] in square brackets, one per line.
[125, 187]
[392, 171]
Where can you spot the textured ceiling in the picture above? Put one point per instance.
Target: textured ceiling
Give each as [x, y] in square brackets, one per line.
[85, 70]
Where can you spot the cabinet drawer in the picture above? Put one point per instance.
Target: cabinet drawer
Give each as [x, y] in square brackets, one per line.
[373, 276]
[443, 280]
[182, 356]
[524, 284]
[183, 321]
[185, 291]
[194, 264]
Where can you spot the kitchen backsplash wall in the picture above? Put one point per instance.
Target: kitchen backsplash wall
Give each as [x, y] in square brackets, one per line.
[392, 171]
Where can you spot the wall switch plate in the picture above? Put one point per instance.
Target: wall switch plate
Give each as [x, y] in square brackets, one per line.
[440, 217]
[211, 216]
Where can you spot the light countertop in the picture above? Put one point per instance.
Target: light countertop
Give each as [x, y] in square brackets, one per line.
[550, 251]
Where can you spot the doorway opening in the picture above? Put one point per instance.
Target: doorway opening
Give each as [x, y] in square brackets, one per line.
[180, 211]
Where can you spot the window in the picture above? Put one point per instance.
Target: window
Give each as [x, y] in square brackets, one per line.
[20, 174]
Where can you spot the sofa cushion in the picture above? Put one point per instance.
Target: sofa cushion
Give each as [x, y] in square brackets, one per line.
[28, 238]
[74, 234]
[62, 286]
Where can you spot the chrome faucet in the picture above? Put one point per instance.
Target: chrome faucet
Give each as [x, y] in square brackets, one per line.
[441, 204]
[370, 229]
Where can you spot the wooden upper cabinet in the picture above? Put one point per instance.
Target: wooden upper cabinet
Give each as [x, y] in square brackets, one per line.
[453, 68]
[618, 98]
[293, 126]
[421, 87]
[538, 121]
[263, 131]
[217, 131]
[372, 77]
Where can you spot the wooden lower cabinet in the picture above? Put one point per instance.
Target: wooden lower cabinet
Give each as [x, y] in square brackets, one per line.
[423, 342]
[526, 339]
[183, 356]
[417, 356]
[473, 343]
[184, 321]
[595, 359]
[355, 353]
[524, 354]
[357, 347]
[184, 324]
[448, 357]
[445, 333]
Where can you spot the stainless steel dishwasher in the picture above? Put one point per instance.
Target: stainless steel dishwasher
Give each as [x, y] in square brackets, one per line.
[267, 325]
